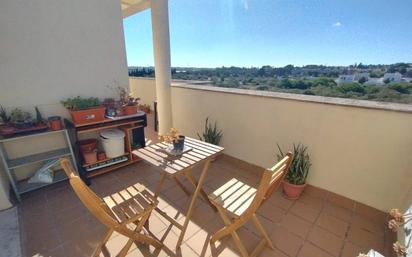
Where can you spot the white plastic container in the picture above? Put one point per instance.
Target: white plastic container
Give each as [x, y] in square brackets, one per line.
[113, 142]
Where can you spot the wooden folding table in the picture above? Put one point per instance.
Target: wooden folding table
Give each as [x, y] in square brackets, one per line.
[200, 153]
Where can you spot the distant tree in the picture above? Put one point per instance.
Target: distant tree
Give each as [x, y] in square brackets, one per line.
[376, 74]
[402, 88]
[308, 92]
[362, 80]
[409, 73]
[386, 81]
[273, 82]
[361, 66]
[326, 82]
[232, 82]
[262, 88]
[352, 87]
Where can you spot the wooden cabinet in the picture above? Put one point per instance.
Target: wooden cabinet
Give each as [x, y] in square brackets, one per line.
[132, 125]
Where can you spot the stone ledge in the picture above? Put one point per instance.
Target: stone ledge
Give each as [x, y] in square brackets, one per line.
[299, 97]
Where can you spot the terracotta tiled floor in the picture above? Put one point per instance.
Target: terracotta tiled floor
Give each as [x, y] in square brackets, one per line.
[55, 223]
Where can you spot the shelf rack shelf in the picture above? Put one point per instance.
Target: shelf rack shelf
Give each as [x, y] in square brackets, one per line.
[132, 125]
[45, 156]
[10, 165]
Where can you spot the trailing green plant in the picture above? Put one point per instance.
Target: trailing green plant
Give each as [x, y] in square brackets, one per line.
[80, 103]
[299, 168]
[211, 133]
[5, 118]
[18, 116]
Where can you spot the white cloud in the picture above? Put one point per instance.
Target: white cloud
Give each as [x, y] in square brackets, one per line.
[337, 24]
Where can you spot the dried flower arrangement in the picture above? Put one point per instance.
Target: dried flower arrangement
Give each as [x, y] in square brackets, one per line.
[400, 249]
[171, 137]
[399, 219]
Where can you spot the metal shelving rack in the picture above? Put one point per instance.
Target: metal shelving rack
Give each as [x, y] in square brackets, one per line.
[21, 187]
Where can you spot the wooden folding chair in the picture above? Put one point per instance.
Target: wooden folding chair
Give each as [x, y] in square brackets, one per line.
[125, 212]
[238, 202]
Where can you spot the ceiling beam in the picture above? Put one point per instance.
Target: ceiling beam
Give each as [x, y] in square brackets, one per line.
[135, 8]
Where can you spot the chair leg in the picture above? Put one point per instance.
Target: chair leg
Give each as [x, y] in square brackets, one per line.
[262, 231]
[106, 237]
[228, 226]
[229, 230]
[138, 228]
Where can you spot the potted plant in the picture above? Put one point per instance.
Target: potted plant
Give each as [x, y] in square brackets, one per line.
[145, 108]
[5, 118]
[127, 102]
[39, 117]
[211, 134]
[21, 119]
[84, 110]
[295, 180]
[173, 137]
[5, 128]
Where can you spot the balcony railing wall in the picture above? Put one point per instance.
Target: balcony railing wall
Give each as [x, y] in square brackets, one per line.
[360, 152]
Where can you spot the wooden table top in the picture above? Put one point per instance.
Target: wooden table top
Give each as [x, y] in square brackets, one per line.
[155, 155]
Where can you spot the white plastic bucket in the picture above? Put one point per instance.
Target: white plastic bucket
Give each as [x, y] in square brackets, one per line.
[113, 142]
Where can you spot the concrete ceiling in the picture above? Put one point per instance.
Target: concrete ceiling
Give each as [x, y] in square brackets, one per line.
[130, 7]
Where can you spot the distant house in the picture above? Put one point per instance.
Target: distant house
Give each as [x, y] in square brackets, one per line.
[345, 79]
[392, 77]
[358, 76]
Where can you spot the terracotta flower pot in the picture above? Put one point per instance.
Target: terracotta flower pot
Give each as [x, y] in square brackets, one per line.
[88, 145]
[55, 123]
[292, 191]
[90, 157]
[88, 115]
[101, 156]
[130, 110]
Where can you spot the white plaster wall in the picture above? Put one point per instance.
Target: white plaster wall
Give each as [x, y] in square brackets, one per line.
[360, 153]
[51, 50]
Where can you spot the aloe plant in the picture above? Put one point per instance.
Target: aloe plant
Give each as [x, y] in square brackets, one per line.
[211, 133]
[299, 168]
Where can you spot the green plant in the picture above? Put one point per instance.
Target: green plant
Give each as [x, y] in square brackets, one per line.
[211, 134]
[80, 103]
[17, 115]
[299, 168]
[39, 118]
[125, 97]
[5, 118]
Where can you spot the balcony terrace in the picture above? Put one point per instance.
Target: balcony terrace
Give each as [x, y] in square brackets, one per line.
[321, 223]
[360, 150]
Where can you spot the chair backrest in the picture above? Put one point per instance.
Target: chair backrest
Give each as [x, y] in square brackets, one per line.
[269, 182]
[92, 202]
[277, 173]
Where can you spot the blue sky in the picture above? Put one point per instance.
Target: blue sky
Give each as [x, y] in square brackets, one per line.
[245, 33]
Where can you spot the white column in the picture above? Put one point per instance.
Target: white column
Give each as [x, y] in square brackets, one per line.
[161, 46]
